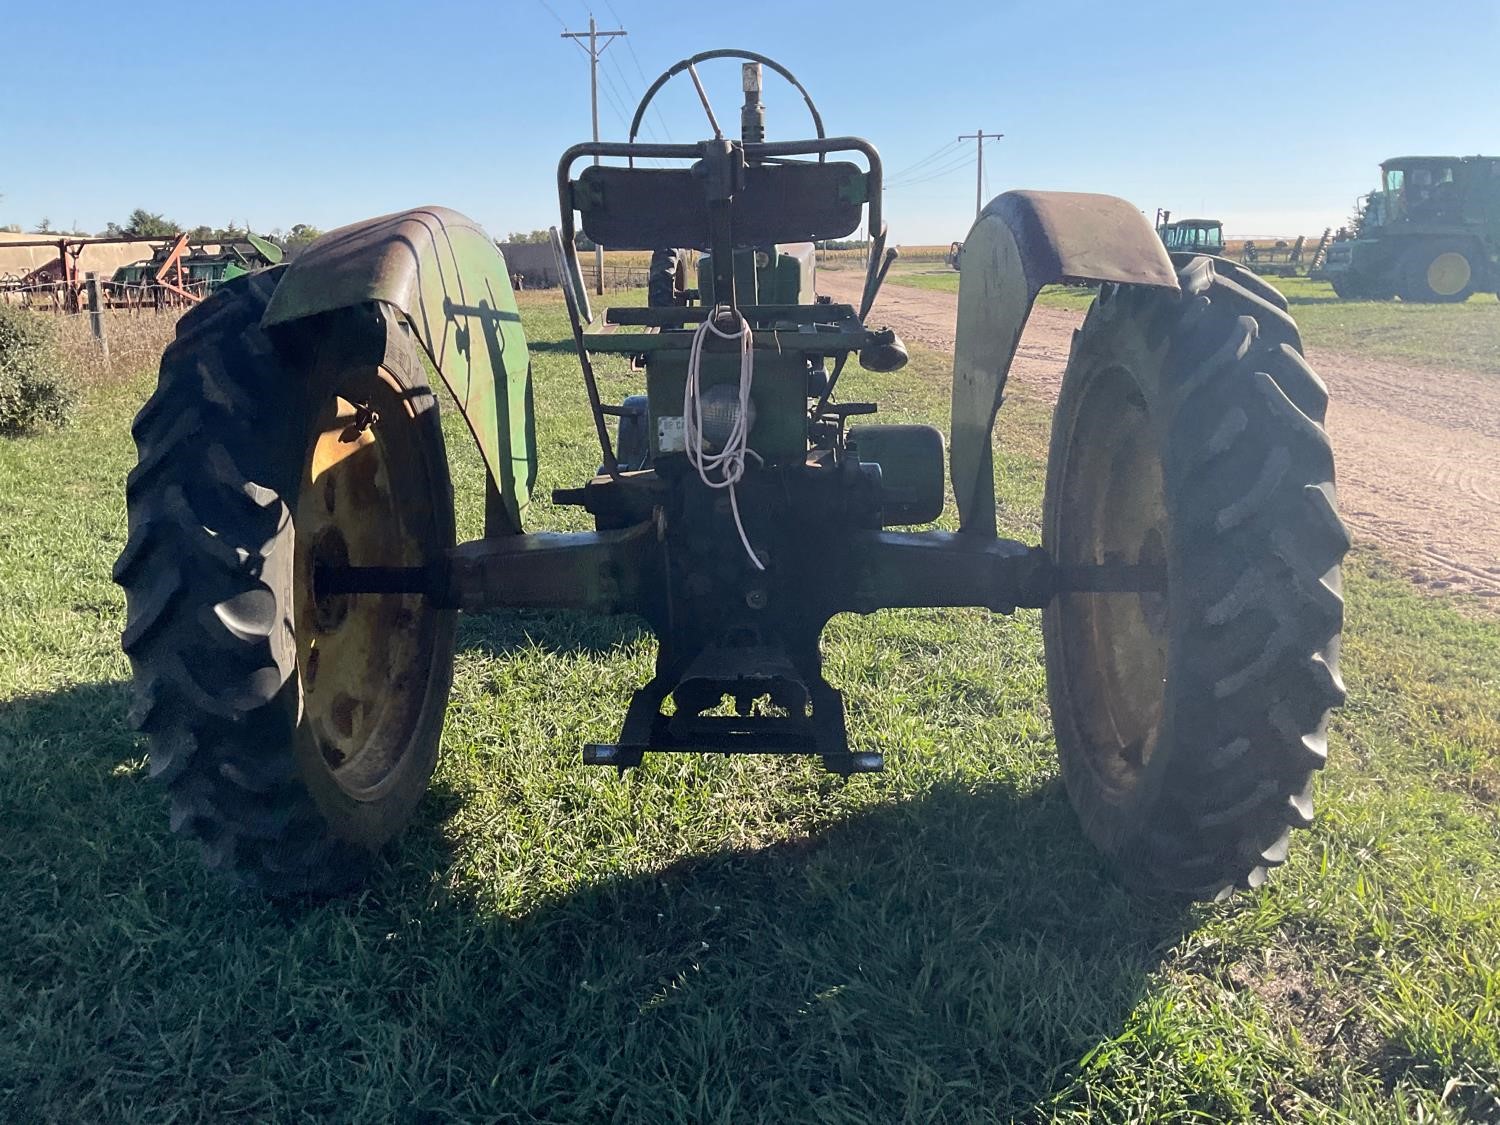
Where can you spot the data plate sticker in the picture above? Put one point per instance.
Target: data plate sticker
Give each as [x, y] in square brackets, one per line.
[669, 434]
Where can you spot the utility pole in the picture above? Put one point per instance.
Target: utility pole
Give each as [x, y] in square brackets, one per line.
[593, 35]
[979, 138]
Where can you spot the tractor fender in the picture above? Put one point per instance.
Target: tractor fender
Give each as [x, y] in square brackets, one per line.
[1022, 241]
[449, 282]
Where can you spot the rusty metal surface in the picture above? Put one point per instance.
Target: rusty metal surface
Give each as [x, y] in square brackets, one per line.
[1022, 241]
[1082, 236]
[450, 282]
[170, 276]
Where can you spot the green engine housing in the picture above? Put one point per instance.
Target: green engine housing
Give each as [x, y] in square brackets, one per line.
[778, 399]
[783, 275]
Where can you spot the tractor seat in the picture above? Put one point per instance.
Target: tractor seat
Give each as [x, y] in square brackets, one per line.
[647, 208]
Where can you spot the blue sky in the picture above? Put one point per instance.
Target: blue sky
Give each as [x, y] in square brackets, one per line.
[1271, 115]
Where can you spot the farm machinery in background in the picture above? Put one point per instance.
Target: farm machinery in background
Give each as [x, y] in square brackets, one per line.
[178, 272]
[1282, 258]
[292, 579]
[1190, 236]
[1430, 233]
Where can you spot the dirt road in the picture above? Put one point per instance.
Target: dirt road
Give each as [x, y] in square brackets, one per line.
[1417, 450]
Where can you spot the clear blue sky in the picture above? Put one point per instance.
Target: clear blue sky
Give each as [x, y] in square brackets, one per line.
[1271, 114]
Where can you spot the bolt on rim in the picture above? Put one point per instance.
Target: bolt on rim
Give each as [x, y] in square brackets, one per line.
[362, 502]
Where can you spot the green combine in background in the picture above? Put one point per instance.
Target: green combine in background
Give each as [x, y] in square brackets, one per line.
[1431, 233]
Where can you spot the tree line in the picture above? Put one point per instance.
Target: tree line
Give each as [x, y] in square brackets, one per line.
[142, 223]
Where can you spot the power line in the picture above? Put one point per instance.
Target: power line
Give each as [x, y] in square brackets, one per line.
[910, 168]
[620, 98]
[639, 69]
[954, 154]
[959, 167]
[616, 101]
[593, 35]
[979, 138]
[963, 161]
[625, 88]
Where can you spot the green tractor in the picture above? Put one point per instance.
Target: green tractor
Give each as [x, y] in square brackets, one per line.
[1190, 236]
[292, 579]
[1430, 234]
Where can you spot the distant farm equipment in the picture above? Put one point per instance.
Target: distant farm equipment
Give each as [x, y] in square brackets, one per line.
[1286, 259]
[189, 273]
[1190, 236]
[1430, 233]
[177, 273]
[1281, 258]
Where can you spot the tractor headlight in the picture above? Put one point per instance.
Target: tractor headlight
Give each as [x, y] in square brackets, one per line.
[721, 409]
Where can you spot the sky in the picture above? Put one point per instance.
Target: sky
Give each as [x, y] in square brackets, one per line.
[1271, 115]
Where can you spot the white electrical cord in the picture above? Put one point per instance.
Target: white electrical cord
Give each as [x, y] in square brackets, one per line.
[729, 461]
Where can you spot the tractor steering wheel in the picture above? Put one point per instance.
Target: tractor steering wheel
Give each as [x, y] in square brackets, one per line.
[725, 53]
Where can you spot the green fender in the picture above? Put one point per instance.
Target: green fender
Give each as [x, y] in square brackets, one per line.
[449, 281]
[1022, 241]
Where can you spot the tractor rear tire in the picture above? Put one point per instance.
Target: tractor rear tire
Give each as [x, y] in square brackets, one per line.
[663, 285]
[1439, 273]
[1188, 438]
[295, 735]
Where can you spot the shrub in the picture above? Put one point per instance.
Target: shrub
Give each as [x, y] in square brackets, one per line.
[33, 389]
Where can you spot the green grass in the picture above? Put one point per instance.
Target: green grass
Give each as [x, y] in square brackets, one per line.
[1464, 336]
[937, 277]
[740, 939]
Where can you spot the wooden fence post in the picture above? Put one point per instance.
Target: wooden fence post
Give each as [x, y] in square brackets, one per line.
[96, 314]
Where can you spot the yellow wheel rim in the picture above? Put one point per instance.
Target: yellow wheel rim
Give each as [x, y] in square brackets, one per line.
[365, 500]
[1449, 273]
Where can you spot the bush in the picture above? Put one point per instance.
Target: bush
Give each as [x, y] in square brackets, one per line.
[33, 390]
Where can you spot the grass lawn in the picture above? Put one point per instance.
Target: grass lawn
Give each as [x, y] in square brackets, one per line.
[732, 939]
[1465, 336]
[929, 275]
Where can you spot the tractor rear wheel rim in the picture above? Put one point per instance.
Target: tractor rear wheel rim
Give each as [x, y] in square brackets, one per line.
[1449, 273]
[1115, 644]
[365, 500]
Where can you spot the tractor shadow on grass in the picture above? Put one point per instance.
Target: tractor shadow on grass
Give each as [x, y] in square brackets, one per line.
[951, 954]
[563, 345]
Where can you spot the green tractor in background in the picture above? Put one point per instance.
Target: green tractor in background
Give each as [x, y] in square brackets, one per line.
[1190, 236]
[1431, 233]
[292, 580]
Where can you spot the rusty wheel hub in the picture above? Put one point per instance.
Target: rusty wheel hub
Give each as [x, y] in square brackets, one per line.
[365, 500]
